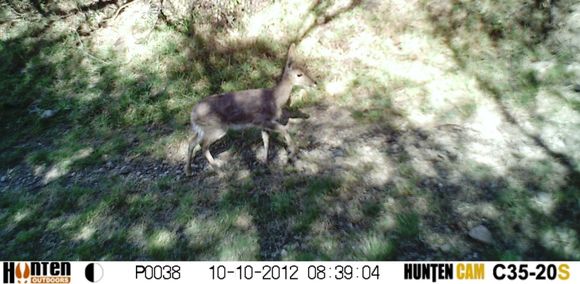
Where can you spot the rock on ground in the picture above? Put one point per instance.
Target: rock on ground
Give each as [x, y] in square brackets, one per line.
[482, 234]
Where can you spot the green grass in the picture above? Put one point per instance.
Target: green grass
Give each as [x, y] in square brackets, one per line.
[101, 104]
[408, 225]
[375, 248]
[438, 65]
[158, 221]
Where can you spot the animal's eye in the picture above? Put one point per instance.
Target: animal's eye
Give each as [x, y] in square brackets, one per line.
[299, 75]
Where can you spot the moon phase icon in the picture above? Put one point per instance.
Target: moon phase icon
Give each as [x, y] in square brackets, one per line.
[94, 272]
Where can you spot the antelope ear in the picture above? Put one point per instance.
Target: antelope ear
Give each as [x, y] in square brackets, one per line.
[291, 50]
[290, 58]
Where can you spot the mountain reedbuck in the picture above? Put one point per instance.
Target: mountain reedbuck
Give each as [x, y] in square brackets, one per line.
[213, 116]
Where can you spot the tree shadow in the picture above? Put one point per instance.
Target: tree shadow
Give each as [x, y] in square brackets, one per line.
[320, 10]
[447, 31]
[110, 108]
[529, 33]
[380, 193]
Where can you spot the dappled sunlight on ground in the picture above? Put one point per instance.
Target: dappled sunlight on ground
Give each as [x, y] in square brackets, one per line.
[85, 233]
[129, 34]
[428, 122]
[564, 240]
[161, 240]
[20, 215]
[63, 167]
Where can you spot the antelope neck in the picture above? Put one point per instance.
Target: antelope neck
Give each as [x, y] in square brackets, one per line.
[282, 92]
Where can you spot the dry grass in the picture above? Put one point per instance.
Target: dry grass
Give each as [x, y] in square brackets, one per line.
[432, 118]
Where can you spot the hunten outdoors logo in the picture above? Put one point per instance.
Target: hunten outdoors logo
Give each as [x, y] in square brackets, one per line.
[36, 272]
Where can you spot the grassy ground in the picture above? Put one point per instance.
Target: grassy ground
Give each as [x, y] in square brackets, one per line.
[432, 119]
